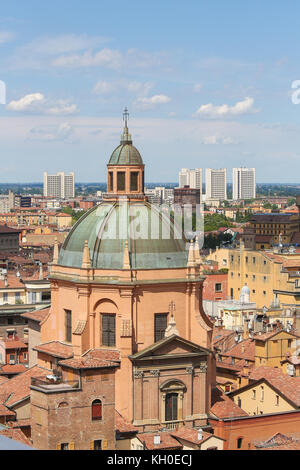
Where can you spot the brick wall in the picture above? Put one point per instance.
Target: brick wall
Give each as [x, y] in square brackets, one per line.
[212, 283]
[66, 417]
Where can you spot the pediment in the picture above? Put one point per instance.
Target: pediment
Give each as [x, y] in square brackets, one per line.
[171, 346]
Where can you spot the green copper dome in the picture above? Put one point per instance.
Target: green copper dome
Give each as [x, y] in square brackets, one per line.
[126, 154]
[154, 241]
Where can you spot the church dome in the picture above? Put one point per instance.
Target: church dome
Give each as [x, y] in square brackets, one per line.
[125, 230]
[126, 154]
[154, 240]
[245, 290]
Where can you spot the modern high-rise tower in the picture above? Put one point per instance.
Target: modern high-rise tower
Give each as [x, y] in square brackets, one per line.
[216, 184]
[191, 178]
[61, 186]
[243, 183]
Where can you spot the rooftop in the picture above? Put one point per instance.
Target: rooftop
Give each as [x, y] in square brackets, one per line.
[56, 349]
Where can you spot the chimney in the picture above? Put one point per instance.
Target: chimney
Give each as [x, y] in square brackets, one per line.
[200, 434]
[246, 329]
[156, 439]
[41, 271]
[296, 322]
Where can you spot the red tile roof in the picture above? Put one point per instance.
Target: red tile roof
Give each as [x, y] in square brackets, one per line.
[37, 315]
[221, 333]
[6, 229]
[18, 388]
[5, 411]
[288, 386]
[12, 369]
[14, 344]
[223, 407]
[166, 441]
[279, 442]
[122, 425]
[190, 435]
[94, 359]
[16, 435]
[56, 349]
[243, 350]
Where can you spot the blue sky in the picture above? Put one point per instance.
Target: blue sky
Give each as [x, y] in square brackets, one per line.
[207, 84]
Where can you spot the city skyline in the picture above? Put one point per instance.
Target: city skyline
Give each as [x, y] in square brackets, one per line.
[212, 93]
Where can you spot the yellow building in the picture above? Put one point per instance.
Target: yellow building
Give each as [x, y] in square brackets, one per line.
[269, 391]
[272, 278]
[235, 366]
[63, 220]
[272, 348]
[261, 397]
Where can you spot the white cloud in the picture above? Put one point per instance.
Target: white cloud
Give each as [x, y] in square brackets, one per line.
[36, 103]
[241, 107]
[215, 140]
[106, 57]
[103, 88]
[64, 43]
[139, 88]
[151, 102]
[60, 134]
[41, 52]
[6, 36]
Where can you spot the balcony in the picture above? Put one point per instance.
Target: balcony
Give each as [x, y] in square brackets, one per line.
[173, 425]
[53, 384]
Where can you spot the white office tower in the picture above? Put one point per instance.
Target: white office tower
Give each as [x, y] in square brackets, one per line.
[184, 177]
[191, 178]
[60, 186]
[215, 184]
[243, 183]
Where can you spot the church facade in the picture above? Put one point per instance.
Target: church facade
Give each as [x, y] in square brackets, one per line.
[126, 281]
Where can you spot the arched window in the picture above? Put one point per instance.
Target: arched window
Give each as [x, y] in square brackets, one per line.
[97, 409]
[239, 442]
[171, 413]
[63, 404]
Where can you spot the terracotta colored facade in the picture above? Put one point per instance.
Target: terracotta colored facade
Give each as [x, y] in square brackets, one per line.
[239, 433]
[215, 286]
[134, 302]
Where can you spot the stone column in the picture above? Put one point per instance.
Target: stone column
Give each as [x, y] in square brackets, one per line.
[190, 391]
[138, 396]
[154, 390]
[163, 407]
[180, 406]
[203, 388]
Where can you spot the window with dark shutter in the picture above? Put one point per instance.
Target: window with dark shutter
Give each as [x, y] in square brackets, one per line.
[171, 407]
[98, 445]
[97, 409]
[68, 324]
[160, 325]
[108, 330]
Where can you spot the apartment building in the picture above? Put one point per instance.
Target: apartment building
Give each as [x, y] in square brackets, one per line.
[60, 185]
